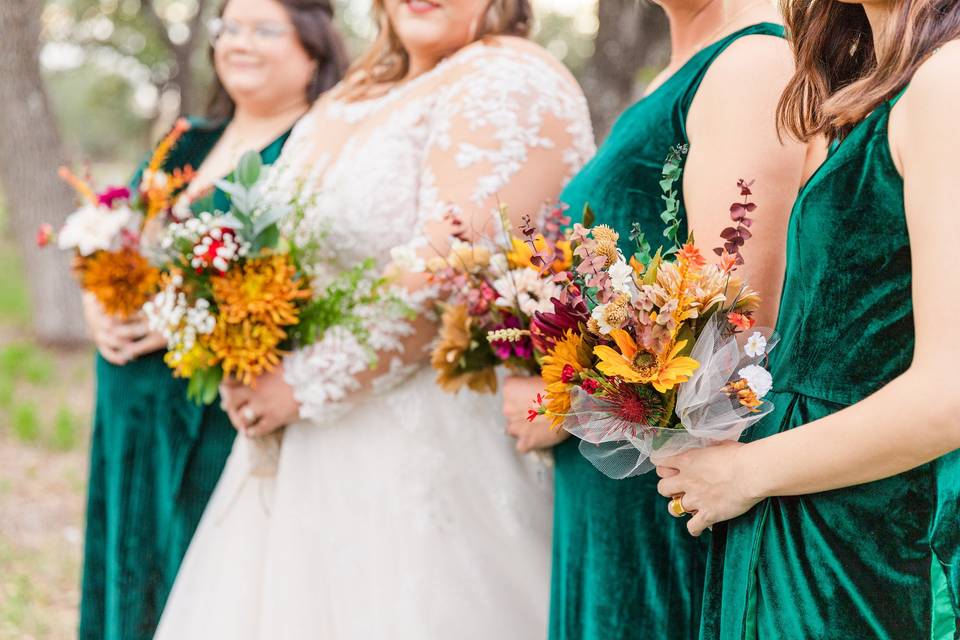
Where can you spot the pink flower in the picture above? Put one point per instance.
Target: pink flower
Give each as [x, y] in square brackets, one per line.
[44, 235]
[111, 195]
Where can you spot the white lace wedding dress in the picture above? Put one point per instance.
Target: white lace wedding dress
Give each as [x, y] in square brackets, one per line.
[396, 510]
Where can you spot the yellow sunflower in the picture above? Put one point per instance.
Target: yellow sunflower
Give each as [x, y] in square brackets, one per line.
[568, 358]
[521, 254]
[632, 365]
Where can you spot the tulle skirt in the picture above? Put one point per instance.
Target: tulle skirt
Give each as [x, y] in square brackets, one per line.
[412, 517]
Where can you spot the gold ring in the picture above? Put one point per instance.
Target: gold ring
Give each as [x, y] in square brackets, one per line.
[676, 507]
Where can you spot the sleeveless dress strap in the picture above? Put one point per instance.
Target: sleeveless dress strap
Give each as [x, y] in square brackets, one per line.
[706, 57]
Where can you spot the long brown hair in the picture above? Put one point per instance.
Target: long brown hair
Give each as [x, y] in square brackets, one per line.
[387, 61]
[844, 71]
[313, 23]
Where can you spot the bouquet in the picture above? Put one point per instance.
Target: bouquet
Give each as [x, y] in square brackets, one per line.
[491, 289]
[655, 354]
[107, 232]
[238, 294]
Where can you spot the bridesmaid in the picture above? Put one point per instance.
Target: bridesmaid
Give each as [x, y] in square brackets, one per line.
[155, 456]
[846, 532]
[622, 568]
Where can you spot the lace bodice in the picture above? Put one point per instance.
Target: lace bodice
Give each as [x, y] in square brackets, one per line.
[498, 121]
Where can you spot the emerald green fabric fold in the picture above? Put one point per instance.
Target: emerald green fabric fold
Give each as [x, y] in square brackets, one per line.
[154, 462]
[623, 568]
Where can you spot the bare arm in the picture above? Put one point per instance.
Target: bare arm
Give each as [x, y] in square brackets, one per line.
[732, 131]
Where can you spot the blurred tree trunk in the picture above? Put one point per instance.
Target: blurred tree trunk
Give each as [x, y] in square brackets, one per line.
[30, 153]
[633, 35]
[183, 53]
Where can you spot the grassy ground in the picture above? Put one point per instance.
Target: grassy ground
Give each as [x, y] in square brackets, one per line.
[45, 402]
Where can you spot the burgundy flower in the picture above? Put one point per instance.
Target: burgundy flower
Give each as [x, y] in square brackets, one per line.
[590, 385]
[568, 373]
[111, 195]
[547, 328]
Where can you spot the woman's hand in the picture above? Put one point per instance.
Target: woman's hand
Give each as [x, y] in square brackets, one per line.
[711, 482]
[518, 395]
[262, 408]
[119, 341]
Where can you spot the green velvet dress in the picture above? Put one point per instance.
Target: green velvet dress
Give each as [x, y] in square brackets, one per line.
[155, 460]
[852, 563]
[623, 568]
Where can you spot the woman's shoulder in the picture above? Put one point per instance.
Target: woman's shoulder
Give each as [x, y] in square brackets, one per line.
[936, 76]
[508, 58]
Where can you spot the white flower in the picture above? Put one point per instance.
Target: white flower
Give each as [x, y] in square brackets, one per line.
[525, 289]
[91, 229]
[621, 275]
[756, 345]
[758, 379]
[407, 258]
[499, 265]
[598, 314]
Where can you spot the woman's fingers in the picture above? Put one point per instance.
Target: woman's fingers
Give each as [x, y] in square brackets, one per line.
[669, 487]
[666, 472]
[697, 524]
[148, 344]
[113, 356]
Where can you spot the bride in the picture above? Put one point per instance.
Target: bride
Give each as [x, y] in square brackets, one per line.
[395, 510]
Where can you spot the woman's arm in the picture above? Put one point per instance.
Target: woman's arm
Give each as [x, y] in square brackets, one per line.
[733, 135]
[916, 417]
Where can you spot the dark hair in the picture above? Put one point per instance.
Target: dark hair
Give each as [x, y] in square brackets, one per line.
[842, 74]
[313, 22]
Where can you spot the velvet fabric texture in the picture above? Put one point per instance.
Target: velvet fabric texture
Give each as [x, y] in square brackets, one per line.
[855, 562]
[155, 460]
[624, 568]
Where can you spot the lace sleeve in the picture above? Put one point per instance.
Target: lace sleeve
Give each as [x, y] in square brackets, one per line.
[505, 127]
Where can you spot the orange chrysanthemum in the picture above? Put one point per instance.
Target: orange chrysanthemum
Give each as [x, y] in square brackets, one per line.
[246, 349]
[266, 290]
[254, 302]
[122, 280]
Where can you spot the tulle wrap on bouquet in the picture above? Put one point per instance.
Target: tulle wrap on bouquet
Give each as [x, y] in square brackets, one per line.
[708, 415]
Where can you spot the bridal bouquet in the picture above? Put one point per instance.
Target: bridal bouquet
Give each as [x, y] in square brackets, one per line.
[491, 290]
[238, 294]
[107, 231]
[654, 354]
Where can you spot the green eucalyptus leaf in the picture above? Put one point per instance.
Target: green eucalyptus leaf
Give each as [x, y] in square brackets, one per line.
[248, 169]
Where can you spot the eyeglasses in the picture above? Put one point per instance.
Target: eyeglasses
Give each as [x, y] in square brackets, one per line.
[260, 33]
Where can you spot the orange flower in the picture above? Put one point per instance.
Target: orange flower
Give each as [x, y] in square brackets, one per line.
[266, 290]
[741, 321]
[727, 261]
[122, 281]
[254, 302]
[692, 256]
[632, 365]
[248, 349]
